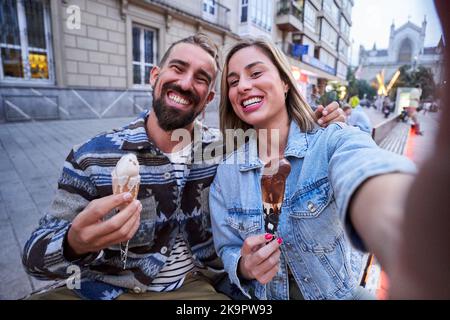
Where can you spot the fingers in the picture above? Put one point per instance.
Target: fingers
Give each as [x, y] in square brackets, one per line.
[117, 221]
[123, 234]
[267, 269]
[332, 113]
[318, 111]
[335, 116]
[253, 243]
[99, 208]
[268, 276]
[255, 264]
[265, 252]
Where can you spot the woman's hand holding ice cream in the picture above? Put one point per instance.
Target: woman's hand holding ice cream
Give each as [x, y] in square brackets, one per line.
[260, 259]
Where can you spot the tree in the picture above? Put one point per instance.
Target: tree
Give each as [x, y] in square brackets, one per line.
[357, 87]
[410, 77]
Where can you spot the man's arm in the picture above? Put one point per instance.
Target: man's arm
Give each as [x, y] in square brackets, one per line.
[73, 231]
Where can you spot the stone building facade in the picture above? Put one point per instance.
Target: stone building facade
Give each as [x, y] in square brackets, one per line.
[406, 47]
[72, 59]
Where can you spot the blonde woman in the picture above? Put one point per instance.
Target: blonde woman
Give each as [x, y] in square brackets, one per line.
[342, 191]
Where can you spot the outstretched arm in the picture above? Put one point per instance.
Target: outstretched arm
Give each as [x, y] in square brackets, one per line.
[377, 212]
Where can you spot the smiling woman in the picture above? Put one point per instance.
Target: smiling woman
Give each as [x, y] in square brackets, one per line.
[343, 194]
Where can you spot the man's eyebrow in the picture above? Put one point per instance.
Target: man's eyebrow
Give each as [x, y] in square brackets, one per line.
[185, 64]
[249, 66]
[178, 61]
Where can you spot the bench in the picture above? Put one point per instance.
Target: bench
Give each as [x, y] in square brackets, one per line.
[391, 135]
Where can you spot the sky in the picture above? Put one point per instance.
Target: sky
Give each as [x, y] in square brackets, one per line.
[372, 21]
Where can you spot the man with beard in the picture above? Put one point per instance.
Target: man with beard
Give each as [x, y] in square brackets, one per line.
[166, 232]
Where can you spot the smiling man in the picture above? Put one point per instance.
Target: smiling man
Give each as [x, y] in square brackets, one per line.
[169, 252]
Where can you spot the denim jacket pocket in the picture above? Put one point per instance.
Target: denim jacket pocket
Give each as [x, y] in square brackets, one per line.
[246, 222]
[310, 201]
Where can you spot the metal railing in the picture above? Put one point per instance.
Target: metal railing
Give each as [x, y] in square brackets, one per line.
[220, 15]
[285, 7]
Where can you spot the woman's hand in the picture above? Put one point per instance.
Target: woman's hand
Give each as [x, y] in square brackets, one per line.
[331, 113]
[260, 259]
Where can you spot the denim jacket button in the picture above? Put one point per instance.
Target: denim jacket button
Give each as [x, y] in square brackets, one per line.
[163, 250]
[311, 206]
[167, 175]
[306, 279]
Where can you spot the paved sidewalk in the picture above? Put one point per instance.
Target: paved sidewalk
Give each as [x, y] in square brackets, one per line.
[31, 158]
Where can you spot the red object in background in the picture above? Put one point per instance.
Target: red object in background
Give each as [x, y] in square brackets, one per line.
[303, 78]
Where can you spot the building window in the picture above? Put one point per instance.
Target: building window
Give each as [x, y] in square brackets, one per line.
[244, 10]
[144, 54]
[405, 53]
[209, 7]
[261, 14]
[329, 35]
[330, 7]
[310, 16]
[345, 28]
[25, 41]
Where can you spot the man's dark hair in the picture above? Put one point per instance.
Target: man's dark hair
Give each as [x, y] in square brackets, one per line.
[201, 40]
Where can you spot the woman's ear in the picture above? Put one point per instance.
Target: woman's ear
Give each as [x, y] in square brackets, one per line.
[286, 88]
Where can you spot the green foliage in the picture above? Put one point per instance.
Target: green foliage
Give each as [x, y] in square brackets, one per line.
[410, 78]
[359, 87]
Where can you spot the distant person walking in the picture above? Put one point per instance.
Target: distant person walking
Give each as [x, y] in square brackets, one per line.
[356, 116]
[414, 100]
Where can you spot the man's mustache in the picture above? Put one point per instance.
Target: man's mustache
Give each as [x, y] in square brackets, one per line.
[185, 93]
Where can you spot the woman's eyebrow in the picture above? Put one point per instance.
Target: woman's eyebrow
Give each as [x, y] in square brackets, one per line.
[247, 67]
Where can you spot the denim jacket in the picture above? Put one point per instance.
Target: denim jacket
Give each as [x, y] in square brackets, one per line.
[321, 248]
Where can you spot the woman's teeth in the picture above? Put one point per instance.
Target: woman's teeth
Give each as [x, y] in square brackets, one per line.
[251, 101]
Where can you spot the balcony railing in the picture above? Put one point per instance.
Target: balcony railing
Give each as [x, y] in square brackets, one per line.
[290, 50]
[285, 7]
[217, 14]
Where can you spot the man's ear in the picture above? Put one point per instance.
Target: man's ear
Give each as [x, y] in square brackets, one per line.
[210, 96]
[154, 74]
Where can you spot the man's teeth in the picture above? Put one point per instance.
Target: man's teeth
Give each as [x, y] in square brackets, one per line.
[251, 101]
[178, 99]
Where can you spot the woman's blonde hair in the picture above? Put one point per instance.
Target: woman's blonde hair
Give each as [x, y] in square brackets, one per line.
[297, 108]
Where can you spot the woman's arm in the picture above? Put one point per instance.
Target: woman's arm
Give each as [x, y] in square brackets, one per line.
[377, 212]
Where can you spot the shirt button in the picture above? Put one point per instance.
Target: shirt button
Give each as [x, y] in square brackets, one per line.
[311, 206]
[137, 290]
[167, 175]
[163, 250]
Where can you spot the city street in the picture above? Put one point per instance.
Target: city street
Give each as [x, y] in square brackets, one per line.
[31, 158]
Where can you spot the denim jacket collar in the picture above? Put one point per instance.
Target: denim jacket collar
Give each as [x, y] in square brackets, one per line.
[297, 146]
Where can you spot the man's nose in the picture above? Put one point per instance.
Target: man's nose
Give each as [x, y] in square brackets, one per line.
[186, 82]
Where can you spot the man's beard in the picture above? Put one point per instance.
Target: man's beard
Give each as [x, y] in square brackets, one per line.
[170, 118]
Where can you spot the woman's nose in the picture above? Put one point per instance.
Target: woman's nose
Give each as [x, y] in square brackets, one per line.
[244, 85]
